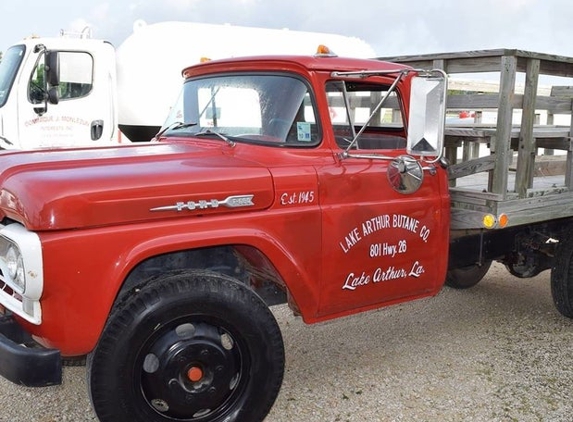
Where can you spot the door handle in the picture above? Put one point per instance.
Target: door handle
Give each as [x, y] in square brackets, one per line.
[96, 129]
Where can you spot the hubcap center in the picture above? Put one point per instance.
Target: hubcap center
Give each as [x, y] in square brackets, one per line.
[195, 374]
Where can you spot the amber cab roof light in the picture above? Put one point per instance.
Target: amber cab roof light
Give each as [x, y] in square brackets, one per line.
[323, 51]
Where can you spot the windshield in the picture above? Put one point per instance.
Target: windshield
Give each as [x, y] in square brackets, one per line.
[277, 110]
[8, 68]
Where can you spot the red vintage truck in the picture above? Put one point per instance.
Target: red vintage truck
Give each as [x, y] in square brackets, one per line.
[313, 181]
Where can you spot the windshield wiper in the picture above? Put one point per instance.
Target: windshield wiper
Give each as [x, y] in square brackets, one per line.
[208, 132]
[174, 126]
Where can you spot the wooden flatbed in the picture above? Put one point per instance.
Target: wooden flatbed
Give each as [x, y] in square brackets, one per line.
[503, 179]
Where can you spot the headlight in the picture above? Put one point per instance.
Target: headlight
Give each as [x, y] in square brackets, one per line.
[15, 266]
[21, 272]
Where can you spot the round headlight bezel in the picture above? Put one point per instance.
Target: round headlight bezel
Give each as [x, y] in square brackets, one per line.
[15, 267]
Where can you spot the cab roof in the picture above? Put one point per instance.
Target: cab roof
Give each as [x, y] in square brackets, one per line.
[276, 62]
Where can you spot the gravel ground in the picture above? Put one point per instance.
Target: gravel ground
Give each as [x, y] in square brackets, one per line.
[497, 352]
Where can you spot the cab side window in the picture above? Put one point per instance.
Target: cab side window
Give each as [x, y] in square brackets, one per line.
[76, 77]
[355, 105]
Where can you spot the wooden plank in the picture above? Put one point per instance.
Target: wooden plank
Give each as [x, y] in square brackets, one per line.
[480, 130]
[549, 165]
[489, 61]
[474, 86]
[562, 91]
[557, 137]
[460, 193]
[539, 201]
[463, 62]
[563, 144]
[518, 211]
[467, 168]
[555, 105]
[466, 219]
[504, 125]
[469, 132]
[526, 149]
[476, 200]
[478, 101]
[557, 66]
[536, 209]
[549, 132]
[535, 193]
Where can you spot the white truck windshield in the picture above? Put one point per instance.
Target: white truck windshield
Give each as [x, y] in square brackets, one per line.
[8, 68]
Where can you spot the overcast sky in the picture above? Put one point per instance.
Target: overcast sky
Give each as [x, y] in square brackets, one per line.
[390, 27]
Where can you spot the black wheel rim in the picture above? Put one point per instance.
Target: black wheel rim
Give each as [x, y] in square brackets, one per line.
[192, 369]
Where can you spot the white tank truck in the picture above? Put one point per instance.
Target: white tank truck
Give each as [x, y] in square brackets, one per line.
[73, 90]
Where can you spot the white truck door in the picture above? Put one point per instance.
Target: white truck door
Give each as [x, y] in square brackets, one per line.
[85, 112]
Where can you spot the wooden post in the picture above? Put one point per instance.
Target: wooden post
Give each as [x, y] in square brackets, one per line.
[475, 146]
[550, 120]
[452, 157]
[504, 123]
[527, 146]
[568, 164]
[439, 64]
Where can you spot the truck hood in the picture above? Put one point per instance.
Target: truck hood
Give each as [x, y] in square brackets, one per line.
[66, 189]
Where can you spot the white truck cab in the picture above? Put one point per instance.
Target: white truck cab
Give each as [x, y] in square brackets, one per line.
[76, 105]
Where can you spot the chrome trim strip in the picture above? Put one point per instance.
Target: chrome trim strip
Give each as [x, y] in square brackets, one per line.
[235, 201]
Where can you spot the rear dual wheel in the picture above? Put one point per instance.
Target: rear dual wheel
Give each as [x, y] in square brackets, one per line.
[197, 346]
[562, 276]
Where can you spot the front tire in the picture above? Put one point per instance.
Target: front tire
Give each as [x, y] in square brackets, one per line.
[195, 346]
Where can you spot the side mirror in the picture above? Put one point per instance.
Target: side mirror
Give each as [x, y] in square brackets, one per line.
[47, 93]
[53, 68]
[53, 96]
[427, 114]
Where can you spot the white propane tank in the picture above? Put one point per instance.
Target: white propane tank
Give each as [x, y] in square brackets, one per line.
[150, 62]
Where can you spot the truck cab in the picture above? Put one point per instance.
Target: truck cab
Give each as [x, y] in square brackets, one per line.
[57, 92]
[334, 146]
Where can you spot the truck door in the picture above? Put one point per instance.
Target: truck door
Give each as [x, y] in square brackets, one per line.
[380, 245]
[84, 113]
